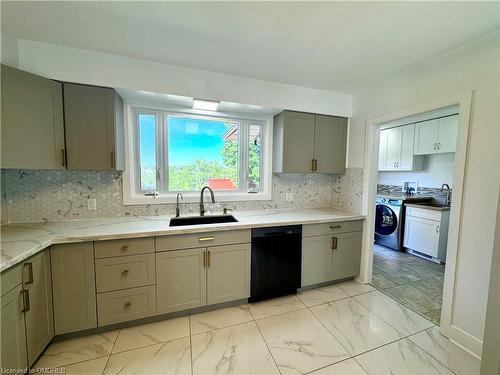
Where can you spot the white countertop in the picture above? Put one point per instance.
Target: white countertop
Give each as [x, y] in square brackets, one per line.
[20, 241]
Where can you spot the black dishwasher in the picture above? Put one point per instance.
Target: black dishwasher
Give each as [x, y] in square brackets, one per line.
[276, 261]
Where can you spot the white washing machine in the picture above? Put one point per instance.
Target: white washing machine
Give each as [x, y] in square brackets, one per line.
[389, 223]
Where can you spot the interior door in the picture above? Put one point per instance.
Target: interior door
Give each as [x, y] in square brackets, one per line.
[330, 140]
[447, 134]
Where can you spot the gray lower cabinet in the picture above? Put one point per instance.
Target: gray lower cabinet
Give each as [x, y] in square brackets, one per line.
[39, 316]
[13, 338]
[32, 121]
[332, 256]
[73, 287]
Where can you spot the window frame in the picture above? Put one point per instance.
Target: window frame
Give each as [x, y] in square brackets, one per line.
[134, 195]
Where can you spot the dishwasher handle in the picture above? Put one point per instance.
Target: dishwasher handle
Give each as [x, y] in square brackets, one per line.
[277, 231]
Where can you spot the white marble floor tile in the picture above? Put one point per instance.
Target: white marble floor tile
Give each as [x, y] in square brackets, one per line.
[300, 343]
[92, 367]
[401, 357]
[318, 296]
[238, 349]
[168, 358]
[275, 306]
[357, 328]
[449, 354]
[215, 319]
[347, 367]
[398, 316]
[77, 350]
[353, 288]
[151, 333]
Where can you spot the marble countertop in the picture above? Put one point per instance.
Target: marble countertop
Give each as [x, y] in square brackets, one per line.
[20, 241]
[429, 207]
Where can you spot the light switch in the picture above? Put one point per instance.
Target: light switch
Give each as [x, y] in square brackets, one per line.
[92, 204]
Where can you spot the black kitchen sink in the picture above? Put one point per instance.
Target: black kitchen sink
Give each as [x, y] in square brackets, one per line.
[200, 220]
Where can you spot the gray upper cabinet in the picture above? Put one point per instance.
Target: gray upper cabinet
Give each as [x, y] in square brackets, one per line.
[305, 142]
[32, 121]
[94, 127]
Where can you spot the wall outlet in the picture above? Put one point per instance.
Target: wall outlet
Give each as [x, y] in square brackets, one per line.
[289, 197]
[92, 204]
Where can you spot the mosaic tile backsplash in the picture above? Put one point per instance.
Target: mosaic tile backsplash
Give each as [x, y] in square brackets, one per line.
[422, 191]
[38, 195]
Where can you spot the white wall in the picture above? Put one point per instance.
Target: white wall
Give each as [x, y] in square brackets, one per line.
[473, 67]
[437, 170]
[89, 67]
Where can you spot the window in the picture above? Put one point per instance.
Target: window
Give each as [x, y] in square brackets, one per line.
[174, 152]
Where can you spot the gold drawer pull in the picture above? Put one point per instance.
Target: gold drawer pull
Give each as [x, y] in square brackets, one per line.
[201, 239]
[335, 226]
[124, 248]
[127, 306]
[208, 258]
[26, 300]
[125, 273]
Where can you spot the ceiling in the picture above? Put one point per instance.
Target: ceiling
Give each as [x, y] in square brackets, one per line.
[337, 46]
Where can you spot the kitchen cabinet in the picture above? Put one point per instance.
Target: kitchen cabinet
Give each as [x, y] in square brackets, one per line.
[74, 287]
[426, 232]
[39, 317]
[396, 149]
[305, 142]
[94, 127]
[330, 252]
[32, 121]
[12, 305]
[436, 136]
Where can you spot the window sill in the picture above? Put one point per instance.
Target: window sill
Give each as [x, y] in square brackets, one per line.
[190, 197]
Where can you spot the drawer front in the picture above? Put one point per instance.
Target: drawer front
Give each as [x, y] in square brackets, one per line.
[129, 246]
[10, 278]
[330, 228]
[124, 305]
[125, 272]
[423, 213]
[194, 240]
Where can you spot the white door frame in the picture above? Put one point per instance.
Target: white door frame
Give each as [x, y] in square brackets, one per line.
[464, 101]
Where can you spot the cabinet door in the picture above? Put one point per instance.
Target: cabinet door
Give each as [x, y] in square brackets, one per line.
[394, 136]
[89, 119]
[426, 137]
[407, 141]
[39, 317]
[298, 142]
[73, 287]
[382, 151]
[32, 121]
[317, 260]
[13, 349]
[422, 235]
[180, 280]
[330, 140]
[447, 134]
[228, 275]
[346, 255]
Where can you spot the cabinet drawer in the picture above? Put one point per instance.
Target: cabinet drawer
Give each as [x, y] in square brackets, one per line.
[423, 213]
[329, 228]
[189, 241]
[10, 279]
[125, 272]
[129, 246]
[124, 305]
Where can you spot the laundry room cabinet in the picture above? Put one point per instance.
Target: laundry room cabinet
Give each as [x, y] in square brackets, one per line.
[436, 136]
[396, 149]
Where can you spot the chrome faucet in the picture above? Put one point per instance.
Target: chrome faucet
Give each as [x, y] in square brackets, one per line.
[202, 205]
[447, 187]
[177, 211]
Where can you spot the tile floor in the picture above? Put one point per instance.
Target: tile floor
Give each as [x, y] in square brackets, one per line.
[413, 281]
[346, 328]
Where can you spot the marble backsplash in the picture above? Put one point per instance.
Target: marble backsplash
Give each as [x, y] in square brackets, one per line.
[38, 195]
[422, 191]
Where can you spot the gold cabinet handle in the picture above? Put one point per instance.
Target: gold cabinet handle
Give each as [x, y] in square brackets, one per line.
[335, 226]
[124, 248]
[334, 243]
[112, 159]
[63, 157]
[208, 258]
[204, 258]
[315, 164]
[127, 305]
[26, 300]
[203, 239]
[125, 273]
[30, 272]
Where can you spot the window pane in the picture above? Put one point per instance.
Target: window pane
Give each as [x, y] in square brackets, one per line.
[254, 157]
[202, 152]
[147, 151]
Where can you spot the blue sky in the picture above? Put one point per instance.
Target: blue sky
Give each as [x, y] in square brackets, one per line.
[189, 139]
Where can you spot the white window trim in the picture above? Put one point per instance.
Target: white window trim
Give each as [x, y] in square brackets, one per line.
[133, 196]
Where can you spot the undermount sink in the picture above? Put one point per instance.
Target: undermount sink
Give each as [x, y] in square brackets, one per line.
[200, 220]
